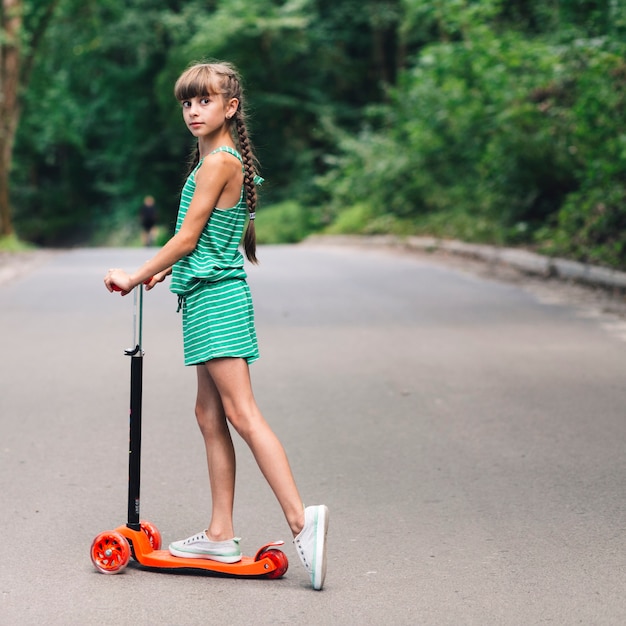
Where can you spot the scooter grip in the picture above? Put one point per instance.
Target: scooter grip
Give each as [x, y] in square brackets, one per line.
[145, 282]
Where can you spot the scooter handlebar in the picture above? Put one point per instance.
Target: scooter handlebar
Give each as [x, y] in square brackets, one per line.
[145, 282]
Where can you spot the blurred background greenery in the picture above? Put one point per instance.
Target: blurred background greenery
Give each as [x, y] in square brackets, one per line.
[499, 121]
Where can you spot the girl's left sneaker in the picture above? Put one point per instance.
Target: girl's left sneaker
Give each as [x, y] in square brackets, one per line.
[201, 547]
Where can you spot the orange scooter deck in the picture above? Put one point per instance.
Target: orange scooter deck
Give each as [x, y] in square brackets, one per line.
[258, 565]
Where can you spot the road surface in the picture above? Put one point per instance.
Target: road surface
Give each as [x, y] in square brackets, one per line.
[467, 436]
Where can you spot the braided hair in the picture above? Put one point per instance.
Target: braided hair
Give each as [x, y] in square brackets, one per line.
[222, 78]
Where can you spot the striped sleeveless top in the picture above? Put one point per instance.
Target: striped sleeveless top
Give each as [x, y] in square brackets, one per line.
[216, 256]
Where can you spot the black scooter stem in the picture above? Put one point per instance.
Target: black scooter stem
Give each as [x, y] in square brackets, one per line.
[134, 438]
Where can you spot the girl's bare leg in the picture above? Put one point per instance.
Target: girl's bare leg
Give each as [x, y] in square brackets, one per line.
[231, 378]
[220, 456]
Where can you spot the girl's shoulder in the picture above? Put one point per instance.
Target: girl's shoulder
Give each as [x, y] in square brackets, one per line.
[223, 150]
[220, 158]
[218, 167]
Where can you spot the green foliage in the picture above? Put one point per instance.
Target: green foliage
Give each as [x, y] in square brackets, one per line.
[592, 227]
[352, 220]
[365, 220]
[101, 129]
[285, 222]
[488, 120]
[10, 243]
[492, 138]
[92, 141]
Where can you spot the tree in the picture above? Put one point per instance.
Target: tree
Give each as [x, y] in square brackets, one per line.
[100, 127]
[17, 50]
[99, 131]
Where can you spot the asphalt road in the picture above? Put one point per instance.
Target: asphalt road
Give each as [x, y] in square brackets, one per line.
[467, 436]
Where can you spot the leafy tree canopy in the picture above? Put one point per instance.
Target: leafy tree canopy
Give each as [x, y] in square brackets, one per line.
[490, 120]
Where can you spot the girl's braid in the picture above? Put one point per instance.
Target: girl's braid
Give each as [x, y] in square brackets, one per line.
[249, 240]
[234, 90]
[248, 162]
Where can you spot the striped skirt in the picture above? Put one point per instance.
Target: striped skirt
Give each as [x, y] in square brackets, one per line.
[218, 321]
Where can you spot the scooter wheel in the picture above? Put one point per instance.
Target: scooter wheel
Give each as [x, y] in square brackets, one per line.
[154, 536]
[278, 558]
[110, 552]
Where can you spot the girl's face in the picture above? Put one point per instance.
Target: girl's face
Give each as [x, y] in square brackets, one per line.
[206, 115]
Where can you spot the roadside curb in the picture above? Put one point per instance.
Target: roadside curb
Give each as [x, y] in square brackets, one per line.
[16, 264]
[523, 260]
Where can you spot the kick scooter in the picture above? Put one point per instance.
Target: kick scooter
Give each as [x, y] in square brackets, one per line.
[111, 550]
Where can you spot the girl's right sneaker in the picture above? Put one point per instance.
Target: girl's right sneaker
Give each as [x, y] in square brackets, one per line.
[201, 547]
[311, 543]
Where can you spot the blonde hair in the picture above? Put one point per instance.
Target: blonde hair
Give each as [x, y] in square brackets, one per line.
[210, 79]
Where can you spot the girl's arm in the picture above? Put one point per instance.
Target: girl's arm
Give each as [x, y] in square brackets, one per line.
[211, 179]
[158, 278]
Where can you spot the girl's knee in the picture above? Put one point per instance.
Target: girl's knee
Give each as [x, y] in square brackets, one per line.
[245, 421]
[211, 423]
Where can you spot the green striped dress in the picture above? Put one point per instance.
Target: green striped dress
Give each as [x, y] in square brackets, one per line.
[218, 317]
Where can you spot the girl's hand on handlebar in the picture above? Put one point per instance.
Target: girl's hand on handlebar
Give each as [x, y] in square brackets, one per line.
[157, 278]
[118, 280]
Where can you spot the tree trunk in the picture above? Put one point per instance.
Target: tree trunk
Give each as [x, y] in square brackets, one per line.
[10, 24]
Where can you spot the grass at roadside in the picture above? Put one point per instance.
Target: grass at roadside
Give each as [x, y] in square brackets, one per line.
[10, 243]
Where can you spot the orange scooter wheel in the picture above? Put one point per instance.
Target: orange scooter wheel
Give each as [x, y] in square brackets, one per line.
[154, 536]
[110, 552]
[278, 558]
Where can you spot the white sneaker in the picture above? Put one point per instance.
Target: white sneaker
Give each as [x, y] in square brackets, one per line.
[311, 543]
[201, 547]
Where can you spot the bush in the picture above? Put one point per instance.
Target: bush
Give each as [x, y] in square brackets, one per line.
[352, 220]
[459, 134]
[591, 227]
[10, 243]
[286, 222]
[496, 138]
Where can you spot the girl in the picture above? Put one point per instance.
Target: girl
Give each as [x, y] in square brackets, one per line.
[218, 323]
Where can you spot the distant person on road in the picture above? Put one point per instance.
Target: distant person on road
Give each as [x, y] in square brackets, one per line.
[219, 336]
[148, 217]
